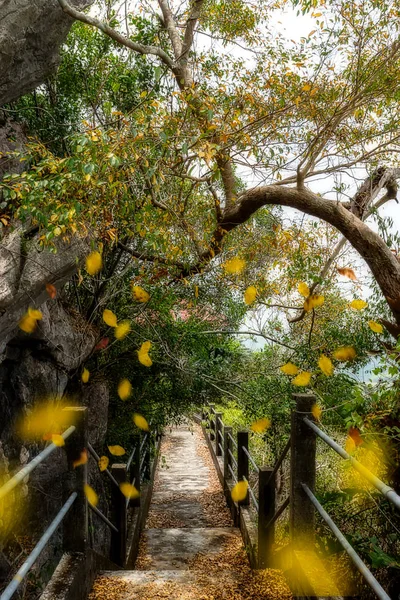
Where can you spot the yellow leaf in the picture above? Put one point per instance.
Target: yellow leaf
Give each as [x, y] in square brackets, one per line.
[103, 463]
[345, 353]
[122, 330]
[306, 87]
[93, 263]
[82, 460]
[239, 491]
[316, 412]
[57, 439]
[260, 425]
[116, 450]
[27, 324]
[313, 301]
[250, 295]
[297, 100]
[358, 304]
[303, 289]
[124, 389]
[140, 294]
[35, 314]
[145, 359]
[289, 369]
[234, 265]
[317, 14]
[350, 445]
[302, 379]
[85, 375]
[376, 327]
[196, 291]
[91, 495]
[109, 318]
[128, 490]
[325, 364]
[145, 347]
[140, 422]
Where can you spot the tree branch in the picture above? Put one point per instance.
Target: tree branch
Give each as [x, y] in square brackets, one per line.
[118, 37]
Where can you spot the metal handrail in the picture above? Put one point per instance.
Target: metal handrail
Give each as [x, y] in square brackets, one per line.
[221, 421]
[143, 442]
[255, 501]
[255, 466]
[222, 450]
[233, 458]
[232, 473]
[365, 572]
[234, 442]
[38, 549]
[97, 457]
[103, 517]
[20, 476]
[130, 459]
[384, 489]
[278, 513]
[279, 461]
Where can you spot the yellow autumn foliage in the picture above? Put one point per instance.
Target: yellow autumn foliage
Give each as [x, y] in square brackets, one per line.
[239, 491]
[303, 289]
[250, 295]
[109, 318]
[124, 389]
[140, 294]
[57, 439]
[260, 425]
[375, 327]
[94, 263]
[358, 304]
[128, 490]
[103, 463]
[122, 330]
[289, 369]
[234, 265]
[345, 353]
[85, 375]
[302, 379]
[316, 411]
[116, 450]
[140, 422]
[325, 364]
[313, 302]
[91, 495]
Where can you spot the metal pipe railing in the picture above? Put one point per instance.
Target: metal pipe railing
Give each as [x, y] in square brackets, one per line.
[102, 517]
[253, 497]
[278, 513]
[20, 476]
[280, 460]
[97, 457]
[365, 572]
[232, 458]
[249, 456]
[232, 473]
[384, 489]
[234, 442]
[38, 549]
[222, 450]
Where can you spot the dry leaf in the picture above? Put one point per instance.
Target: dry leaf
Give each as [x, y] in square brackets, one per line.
[346, 272]
[140, 294]
[116, 450]
[103, 463]
[303, 289]
[82, 460]
[51, 290]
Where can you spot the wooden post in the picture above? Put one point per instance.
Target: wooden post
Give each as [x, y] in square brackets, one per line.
[118, 540]
[218, 434]
[75, 523]
[302, 470]
[136, 471]
[266, 511]
[211, 424]
[243, 461]
[227, 456]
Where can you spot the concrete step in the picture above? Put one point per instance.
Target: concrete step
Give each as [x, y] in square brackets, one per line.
[172, 549]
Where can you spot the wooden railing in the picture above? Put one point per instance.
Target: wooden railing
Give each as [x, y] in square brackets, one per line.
[74, 513]
[236, 463]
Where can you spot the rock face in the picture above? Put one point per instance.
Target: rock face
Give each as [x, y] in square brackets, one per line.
[31, 32]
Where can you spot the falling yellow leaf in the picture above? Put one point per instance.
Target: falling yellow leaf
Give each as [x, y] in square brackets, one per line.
[85, 375]
[234, 265]
[316, 412]
[313, 301]
[289, 369]
[239, 491]
[303, 289]
[45, 419]
[350, 445]
[35, 314]
[82, 460]
[145, 347]
[124, 389]
[27, 324]
[109, 318]
[140, 422]
[376, 327]
[302, 379]
[346, 272]
[128, 490]
[345, 353]
[196, 291]
[260, 425]
[93, 263]
[306, 87]
[250, 295]
[325, 364]
[140, 294]
[57, 439]
[143, 355]
[91, 495]
[103, 463]
[116, 450]
[122, 330]
[358, 304]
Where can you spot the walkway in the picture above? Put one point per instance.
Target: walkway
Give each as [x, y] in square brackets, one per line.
[190, 549]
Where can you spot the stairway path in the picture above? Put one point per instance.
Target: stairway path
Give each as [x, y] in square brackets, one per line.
[190, 549]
